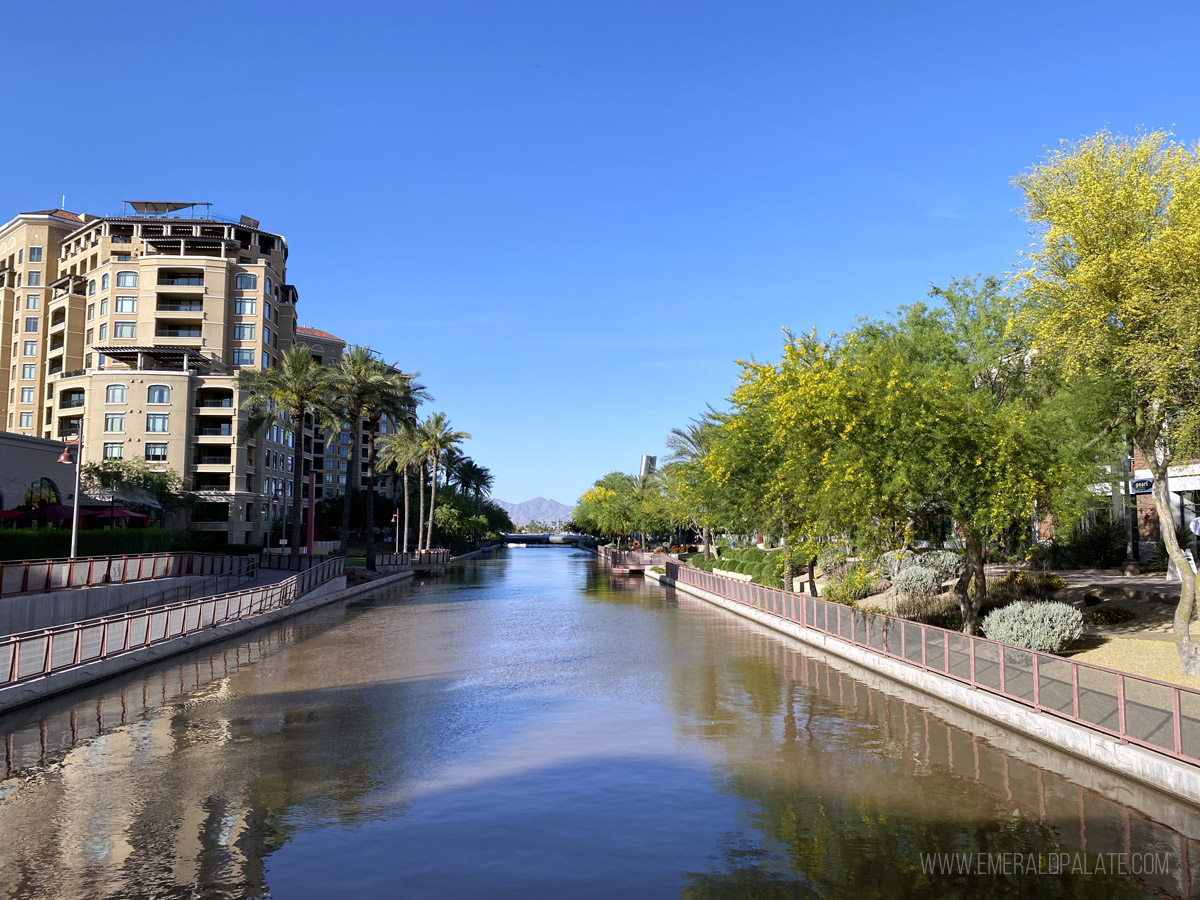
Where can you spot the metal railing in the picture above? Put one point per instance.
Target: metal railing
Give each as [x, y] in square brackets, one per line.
[36, 654]
[42, 575]
[1143, 711]
[208, 587]
[625, 558]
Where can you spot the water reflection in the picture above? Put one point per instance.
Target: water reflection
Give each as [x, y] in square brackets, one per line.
[533, 725]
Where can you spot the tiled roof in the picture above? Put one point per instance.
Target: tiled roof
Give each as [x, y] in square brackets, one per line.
[317, 333]
[57, 213]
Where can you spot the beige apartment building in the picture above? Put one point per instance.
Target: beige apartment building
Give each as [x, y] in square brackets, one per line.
[129, 331]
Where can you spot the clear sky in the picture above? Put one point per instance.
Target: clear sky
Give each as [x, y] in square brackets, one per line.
[572, 217]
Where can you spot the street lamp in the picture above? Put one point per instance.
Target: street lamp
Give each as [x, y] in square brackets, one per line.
[65, 459]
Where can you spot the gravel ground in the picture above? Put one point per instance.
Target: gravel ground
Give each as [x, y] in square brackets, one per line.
[1138, 656]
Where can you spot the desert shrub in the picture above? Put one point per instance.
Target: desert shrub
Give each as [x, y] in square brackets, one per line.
[1048, 627]
[1091, 598]
[917, 581]
[852, 587]
[945, 563]
[1110, 615]
[893, 562]
[1100, 545]
[1025, 585]
[1159, 560]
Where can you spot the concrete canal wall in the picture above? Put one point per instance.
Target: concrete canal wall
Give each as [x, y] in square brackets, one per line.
[26, 692]
[1174, 777]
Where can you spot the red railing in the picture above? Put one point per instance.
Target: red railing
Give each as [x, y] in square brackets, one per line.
[626, 558]
[1143, 711]
[42, 575]
[36, 654]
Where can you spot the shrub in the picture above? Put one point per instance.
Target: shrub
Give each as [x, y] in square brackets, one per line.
[945, 563]
[1110, 615]
[854, 586]
[1048, 627]
[917, 582]
[753, 554]
[893, 562]
[1159, 560]
[1091, 598]
[1025, 585]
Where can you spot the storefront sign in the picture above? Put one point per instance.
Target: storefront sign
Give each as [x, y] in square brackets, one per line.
[1141, 485]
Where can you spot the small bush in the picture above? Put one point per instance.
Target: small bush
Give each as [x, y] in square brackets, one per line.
[854, 586]
[917, 582]
[1110, 615]
[1048, 627]
[893, 562]
[945, 563]
[1025, 585]
[1091, 598]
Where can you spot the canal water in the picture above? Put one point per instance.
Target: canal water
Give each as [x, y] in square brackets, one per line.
[531, 726]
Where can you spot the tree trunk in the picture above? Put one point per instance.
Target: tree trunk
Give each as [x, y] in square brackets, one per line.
[298, 479]
[705, 536]
[787, 562]
[371, 426]
[420, 502]
[1189, 652]
[351, 459]
[404, 476]
[968, 604]
[812, 577]
[432, 503]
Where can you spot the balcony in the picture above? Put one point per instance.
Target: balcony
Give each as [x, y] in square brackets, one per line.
[205, 513]
[214, 399]
[71, 400]
[169, 330]
[179, 305]
[210, 481]
[214, 428]
[212, 457]
[180, 279]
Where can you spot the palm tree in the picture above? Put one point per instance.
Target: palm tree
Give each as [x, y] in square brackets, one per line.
[437, 436]
[689, 446]
[399, 451]
[285, 394]
[474, 479]
[452, 461]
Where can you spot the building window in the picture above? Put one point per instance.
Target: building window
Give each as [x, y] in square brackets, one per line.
[104, 307]
[243, 332]
[103, 331]
[124, 329]
[31, 324]
[122, 257]
[243, 357]
[114, 450]
[266, 360]
[114, 422]
[35, 278]
[27, 370]
[91, 311]
[30, 348]
[26, 395]
[244, 306]
[114, 393]
[158, 393]
[26, 420]
[247, 282]
[91, 287]
[157, 423]
[31, 301]
[126, 304]
[156, 452]
[267, 311]
[104, 282]
[35, 254]
[127, 279]
[87, 336]
[268, 286]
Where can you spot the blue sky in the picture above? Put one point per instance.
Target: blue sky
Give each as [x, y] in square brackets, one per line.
[572, 217]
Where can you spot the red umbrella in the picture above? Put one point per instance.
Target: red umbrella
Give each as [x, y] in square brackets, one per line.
[12, 513]
[117, 513]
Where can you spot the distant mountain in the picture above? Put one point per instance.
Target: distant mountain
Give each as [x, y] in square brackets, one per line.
[539, 509]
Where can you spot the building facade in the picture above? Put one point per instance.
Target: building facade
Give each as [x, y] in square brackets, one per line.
[129, 332]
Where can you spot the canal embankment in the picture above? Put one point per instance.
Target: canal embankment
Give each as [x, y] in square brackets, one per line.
[1176, 777]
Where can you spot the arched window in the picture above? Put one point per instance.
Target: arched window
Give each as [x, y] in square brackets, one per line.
[158, 393]
[247, 282]
[104, 282]
[114, 393]
[127, 279]
[91, 287]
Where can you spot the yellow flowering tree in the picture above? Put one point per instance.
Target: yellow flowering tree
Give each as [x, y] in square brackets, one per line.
[1114, 275]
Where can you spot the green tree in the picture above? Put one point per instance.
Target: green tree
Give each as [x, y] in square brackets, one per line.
[285, 394]
[1115, 277]
[437, 437]
[135, 481]
[400, 451]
